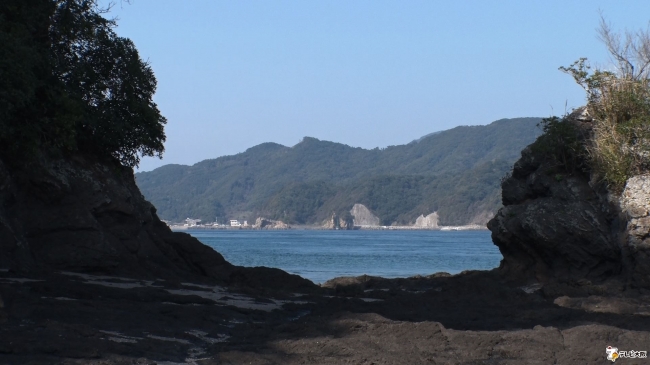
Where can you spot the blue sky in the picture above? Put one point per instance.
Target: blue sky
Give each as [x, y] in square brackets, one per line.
[233, 74]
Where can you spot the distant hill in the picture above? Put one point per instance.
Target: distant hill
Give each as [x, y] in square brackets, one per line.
[456, 172]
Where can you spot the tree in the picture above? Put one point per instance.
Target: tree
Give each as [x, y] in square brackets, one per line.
[73, 85]
[26, 81]
[630, 51]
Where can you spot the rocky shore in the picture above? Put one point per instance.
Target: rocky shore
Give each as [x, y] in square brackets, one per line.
[471, 318]
[90, 275]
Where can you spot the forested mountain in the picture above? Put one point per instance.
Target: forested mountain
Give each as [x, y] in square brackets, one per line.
[456, 172]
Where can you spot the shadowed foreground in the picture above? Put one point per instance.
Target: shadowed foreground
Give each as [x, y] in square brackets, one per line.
[471, 318]
[90, 275]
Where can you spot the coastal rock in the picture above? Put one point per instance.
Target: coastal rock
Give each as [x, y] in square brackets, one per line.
[336, 222]
[83, 215]
[80, 214]
[263, 223]
[559, 226]
[555, 227]
[430, 221]
[281, 225]
[635, 204]
[332, 223]
[363, 217]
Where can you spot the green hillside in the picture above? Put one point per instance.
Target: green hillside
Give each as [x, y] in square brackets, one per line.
[455, 172]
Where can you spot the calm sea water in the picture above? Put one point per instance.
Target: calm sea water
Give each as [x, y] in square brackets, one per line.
[322, 255]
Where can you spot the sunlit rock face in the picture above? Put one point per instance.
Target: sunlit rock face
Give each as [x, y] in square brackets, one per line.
[635, 204]
[363, 217]
[336, 222]
[429, 221]
[563, 227]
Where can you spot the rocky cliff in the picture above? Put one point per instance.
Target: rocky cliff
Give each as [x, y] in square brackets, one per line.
[430, 221]
[564, 226]
[84, 215]
[336, 222]
[363, 216]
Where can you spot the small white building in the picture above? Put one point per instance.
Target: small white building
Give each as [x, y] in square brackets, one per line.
[235, 223]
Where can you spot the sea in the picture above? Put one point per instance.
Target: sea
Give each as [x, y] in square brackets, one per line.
[320, 255]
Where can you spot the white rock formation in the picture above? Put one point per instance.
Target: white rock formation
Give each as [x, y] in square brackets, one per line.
[337, 222]
[635, 203]
[430, 221]
[363, 217]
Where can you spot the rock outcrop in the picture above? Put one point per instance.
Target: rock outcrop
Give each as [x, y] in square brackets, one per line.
[635, 204]
[84, 215]
[554, 227]
[363, 217]
[336, 222]
[563, 227]
[263, 223]
[430, 221]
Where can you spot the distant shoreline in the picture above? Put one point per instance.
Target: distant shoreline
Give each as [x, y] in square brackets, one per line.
[473, 227]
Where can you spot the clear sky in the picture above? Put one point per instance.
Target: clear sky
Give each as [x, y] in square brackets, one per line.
[234, 74]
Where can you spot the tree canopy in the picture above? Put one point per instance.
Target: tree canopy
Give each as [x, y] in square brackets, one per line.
[68, 82]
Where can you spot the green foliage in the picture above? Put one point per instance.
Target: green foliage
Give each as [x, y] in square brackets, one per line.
[561, 142]
[398, 199]
[29, 93]
[391, 196]
[619, 103]
[68, 82]
[456, 172]
[298, 203]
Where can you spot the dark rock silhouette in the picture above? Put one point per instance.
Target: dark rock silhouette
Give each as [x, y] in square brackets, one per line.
[83, 215]
[89, 274]
[559, 226]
